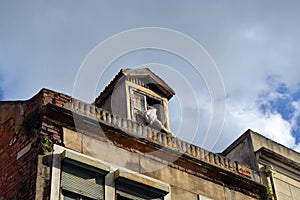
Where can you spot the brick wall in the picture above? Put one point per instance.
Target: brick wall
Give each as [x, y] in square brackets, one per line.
[18, 162]
[56, 98]
[22, 133]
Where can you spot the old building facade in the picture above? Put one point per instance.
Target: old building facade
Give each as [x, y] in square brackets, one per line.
[120, 147]
[277, 166]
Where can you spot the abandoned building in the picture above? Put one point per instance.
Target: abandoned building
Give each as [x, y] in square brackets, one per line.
[277, 166]
[53, 146]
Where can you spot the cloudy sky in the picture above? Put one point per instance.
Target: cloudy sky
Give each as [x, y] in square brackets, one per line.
[253, 44]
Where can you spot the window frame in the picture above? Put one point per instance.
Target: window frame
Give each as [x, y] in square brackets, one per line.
[77, 172]
[110, 172]
[161, 112]
[134, 113]
[150, 93]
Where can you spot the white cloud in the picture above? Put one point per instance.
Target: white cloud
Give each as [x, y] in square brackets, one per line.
[242, 117]
[246, 113]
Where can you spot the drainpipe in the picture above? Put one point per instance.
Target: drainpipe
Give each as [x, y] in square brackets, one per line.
[269, 172]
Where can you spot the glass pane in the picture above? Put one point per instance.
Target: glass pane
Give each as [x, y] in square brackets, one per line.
[139, 102]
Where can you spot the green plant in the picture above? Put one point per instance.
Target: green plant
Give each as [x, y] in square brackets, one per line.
[269, 194]
[47, 145]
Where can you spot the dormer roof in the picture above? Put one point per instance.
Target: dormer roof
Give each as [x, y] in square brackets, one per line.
[141, 76]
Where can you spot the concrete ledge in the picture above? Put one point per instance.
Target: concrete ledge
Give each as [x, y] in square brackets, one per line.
[141, 179]
[86, 160]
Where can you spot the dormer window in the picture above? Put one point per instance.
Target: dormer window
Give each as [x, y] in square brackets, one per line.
[138, 95]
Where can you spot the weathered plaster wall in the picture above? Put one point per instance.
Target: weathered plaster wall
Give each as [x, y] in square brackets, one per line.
[184, 185]
[242, 151]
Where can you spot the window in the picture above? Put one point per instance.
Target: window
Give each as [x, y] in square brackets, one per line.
[131, 186]
[131, 192]
[76, 176]
[80, 183]
[140, 102]
[138, 106]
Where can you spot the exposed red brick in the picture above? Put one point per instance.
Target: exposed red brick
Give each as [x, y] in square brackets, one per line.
[44, 124]
[17, 176]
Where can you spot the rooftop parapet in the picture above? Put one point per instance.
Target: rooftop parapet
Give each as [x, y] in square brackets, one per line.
[137, 130]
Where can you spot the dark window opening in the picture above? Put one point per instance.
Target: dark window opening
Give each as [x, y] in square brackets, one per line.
[141, 102]
[158, 105]
[73, 196]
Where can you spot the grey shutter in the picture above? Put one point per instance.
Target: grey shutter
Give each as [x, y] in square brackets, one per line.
[136, 191]
[82, 181]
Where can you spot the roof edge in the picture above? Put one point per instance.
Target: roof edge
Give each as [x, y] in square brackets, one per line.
[236, 142]
[126, 72]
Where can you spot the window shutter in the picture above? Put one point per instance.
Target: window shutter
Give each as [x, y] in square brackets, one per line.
[129, 190]
[82, 181]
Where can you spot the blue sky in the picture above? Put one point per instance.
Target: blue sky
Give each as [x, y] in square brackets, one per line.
[279, 99]
[253, 43]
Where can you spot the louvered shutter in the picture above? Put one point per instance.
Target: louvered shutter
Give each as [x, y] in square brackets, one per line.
[82, 181]
[129, 190]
